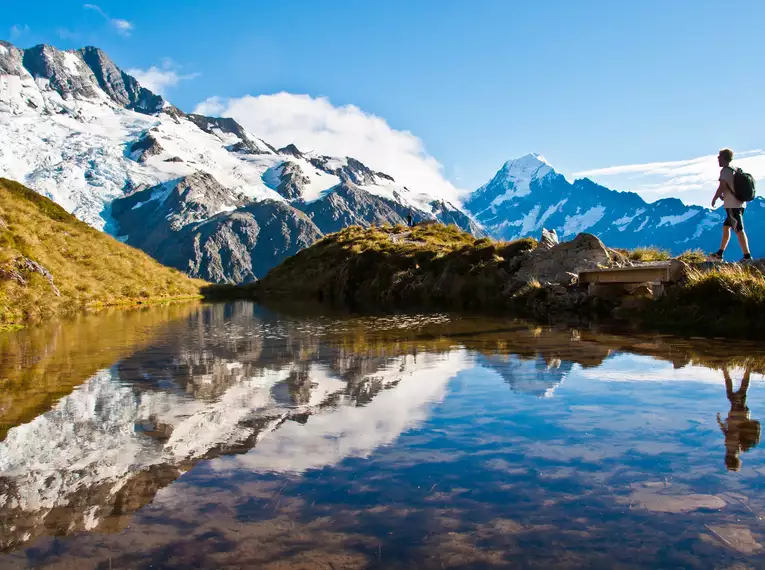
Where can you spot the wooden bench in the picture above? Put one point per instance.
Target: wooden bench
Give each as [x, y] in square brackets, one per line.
[653, 273]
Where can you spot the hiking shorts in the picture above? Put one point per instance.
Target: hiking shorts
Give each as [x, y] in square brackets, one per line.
[735, 219]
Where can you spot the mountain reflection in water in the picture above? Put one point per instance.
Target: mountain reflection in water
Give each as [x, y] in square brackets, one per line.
[219, 435]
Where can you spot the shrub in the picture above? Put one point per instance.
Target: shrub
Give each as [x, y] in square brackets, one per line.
[648, 254]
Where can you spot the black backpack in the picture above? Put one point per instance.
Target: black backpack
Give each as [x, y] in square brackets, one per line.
[743, 185]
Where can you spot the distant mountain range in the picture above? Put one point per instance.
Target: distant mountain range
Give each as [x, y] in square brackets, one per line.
[206, 196]
[527, 194]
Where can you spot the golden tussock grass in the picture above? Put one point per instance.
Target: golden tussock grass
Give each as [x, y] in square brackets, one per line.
[89, 268]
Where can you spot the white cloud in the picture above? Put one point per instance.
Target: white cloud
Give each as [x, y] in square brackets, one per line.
[315, 124]
[694, 181]
[123, 27]
[159, 79]
[17, 31]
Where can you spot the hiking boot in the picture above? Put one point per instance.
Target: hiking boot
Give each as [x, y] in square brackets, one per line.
[716, 256]
[746, 260]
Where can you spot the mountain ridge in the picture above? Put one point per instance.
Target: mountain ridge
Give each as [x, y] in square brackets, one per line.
[527, 194]
[87, 135]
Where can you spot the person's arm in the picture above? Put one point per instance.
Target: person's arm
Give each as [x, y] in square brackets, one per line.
[719, 193]
[723, 427]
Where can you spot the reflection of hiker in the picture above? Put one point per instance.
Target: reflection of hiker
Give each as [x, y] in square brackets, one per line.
[733, 203]
[741, 433]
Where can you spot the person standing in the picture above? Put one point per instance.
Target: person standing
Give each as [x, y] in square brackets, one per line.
[734, 208]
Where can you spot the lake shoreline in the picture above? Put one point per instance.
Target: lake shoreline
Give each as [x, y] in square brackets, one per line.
[435, 267]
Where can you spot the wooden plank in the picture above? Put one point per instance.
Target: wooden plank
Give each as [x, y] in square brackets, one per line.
[642, 274]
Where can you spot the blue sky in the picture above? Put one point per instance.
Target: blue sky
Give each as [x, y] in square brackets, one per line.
[589, 84]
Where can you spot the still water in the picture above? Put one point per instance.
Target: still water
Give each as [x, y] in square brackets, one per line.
[232, 436]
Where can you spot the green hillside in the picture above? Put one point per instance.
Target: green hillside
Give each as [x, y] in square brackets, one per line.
[53, 264]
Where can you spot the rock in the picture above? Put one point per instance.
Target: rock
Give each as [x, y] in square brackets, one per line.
[225, 125]
[293, 181]
[678, 269]
[22, 265]
[357, 172]
[145, 148]
[292, 150]
[558, 264]
[31, 266]
[549, 239]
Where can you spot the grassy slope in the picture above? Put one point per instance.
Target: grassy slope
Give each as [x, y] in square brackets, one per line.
[89, 268]
[425, 266]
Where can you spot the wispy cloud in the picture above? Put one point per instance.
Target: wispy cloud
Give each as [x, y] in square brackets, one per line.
[314, 123]
[160, 79]
[66, 34]
[123, 27]
[17, 31]
[693, 180]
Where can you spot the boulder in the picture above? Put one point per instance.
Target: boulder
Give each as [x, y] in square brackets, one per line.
[549, 239]
[563, 262]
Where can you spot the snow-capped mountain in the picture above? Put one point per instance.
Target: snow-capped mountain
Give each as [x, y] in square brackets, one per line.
[86, 134]
[527, 194]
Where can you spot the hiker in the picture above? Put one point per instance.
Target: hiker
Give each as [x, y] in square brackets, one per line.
[409, 218]
[741, 433]
[734, 208]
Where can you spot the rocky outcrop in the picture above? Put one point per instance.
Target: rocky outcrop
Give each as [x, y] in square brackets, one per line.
[291, 150]
[21, 269]
[217, 126]
[293, 181]
[121, 88]
[562, 263]
[549, 239]
[146, 147]
[349, 170]
[87, 73]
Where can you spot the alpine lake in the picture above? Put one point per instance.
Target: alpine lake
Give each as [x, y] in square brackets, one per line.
[236, 436]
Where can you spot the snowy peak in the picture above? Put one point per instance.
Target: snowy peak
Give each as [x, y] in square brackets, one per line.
[517, 175]
[514, 180]
[531, 166]
[43, 77]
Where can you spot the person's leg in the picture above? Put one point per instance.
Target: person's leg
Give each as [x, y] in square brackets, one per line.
[728, 383]
[725, 238]
[736, 217]
[743, 242]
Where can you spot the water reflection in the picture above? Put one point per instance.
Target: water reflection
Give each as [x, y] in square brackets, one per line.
[241, 436]
[741, 432]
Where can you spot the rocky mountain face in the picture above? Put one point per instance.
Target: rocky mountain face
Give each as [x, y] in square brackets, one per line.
[199, 193]
[527, 194]
[209, 231]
